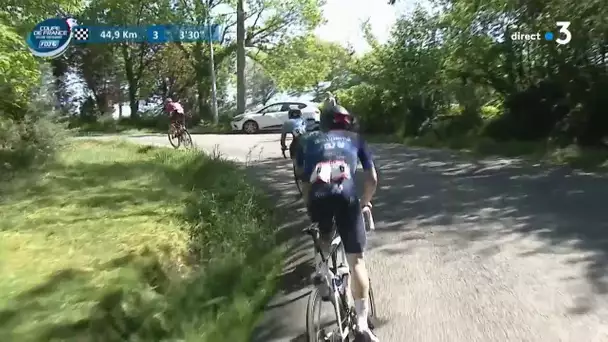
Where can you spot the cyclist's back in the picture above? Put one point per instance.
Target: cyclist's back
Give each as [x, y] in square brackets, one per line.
[337, 147]
[296, 126]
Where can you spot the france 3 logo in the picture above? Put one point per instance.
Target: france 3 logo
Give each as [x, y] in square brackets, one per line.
[51, 37]
[562, 37]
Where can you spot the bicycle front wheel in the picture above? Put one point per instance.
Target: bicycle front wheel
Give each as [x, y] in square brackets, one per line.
[314, 330]
[321, 325]
[186, 138]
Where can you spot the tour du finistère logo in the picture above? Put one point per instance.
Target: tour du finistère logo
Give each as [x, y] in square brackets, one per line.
[51, 37]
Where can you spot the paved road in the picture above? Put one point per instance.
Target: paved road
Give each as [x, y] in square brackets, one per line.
[493, 250]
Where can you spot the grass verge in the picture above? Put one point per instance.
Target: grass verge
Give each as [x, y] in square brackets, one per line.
[117, 242]
[573, 156]
[158, 124]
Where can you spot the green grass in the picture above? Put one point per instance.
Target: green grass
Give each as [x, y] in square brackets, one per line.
[117, 242]
[125, 126]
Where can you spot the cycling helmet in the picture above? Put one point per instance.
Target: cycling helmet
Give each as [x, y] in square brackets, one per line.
[337, 117]
[294, 113]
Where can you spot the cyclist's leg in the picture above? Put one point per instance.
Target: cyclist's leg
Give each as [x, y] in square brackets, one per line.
[292, 150]
[182, 120]
[351, 227]
[172, 125]
[321, 212]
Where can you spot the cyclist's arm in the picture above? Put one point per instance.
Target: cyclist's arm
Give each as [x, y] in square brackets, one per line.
[369, 172]
[284, 130]
[300, 156]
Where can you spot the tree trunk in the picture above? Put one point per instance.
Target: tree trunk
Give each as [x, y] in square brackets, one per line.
[118, 89]
[132, 83]
[202, 73]
[240, 57]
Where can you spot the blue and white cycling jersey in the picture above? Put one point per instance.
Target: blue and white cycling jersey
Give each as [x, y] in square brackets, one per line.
[296, 127]
[332, 156]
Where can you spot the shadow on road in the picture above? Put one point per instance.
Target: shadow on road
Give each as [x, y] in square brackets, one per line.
[284, 315]
[455, 197]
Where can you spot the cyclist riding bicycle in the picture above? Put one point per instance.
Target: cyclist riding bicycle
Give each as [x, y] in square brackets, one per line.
[326, 162]
[329, 102]
[296, 126]
[176, 113]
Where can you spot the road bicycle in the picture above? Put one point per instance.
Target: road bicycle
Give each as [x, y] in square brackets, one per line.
[296, 179]
[337, 276]
[178, 135]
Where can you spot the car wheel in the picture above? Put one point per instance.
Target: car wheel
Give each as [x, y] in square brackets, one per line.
[250, 127]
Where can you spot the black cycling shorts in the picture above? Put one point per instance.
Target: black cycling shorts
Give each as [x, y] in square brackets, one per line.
[346, 212]
[292, 148]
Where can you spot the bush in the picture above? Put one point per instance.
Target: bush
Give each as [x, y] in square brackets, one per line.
[27, 142]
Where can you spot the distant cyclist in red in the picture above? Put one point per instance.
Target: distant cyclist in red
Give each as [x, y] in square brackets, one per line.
[176, 113]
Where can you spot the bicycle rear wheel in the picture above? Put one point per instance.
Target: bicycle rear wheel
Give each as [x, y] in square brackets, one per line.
[186, 138]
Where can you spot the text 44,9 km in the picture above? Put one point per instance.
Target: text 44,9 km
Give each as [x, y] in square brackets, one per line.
[112, 35]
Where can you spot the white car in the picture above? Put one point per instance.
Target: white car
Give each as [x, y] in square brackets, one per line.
[273, 116]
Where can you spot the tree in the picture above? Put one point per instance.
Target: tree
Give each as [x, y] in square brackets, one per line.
[267, 23]
[136, 57]
[303, 63]
[261, 87]
[240, 57]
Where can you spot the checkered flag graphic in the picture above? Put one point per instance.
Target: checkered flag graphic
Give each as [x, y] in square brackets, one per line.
[81, 33]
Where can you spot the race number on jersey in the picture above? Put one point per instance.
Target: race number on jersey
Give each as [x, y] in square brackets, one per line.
[330, 172]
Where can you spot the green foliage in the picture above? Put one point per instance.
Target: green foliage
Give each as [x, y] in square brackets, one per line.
[260, 86]
[489, 112]
[24, 14]
[19, 72]
[301, 63]
[456, 74]
[28, 137]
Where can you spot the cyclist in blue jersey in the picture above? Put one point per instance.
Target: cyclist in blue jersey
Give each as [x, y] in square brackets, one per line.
[326, 162]
[296, 126]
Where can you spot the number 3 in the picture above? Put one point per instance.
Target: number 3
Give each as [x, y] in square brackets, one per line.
[155, 35]
[563, 28]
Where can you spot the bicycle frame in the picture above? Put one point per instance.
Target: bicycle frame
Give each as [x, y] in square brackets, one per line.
[336, 243]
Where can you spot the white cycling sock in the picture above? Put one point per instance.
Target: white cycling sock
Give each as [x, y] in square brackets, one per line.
[362, 309]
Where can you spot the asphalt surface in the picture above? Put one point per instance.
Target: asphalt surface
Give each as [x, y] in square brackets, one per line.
[491, 250]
